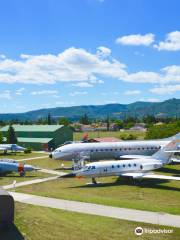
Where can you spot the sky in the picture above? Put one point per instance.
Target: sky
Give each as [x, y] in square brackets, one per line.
[56, 53]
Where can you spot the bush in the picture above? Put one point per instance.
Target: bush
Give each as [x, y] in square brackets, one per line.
[128, 137]
[28, 150]
[163, 131]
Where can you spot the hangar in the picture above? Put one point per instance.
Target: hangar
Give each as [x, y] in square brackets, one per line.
[41, 137]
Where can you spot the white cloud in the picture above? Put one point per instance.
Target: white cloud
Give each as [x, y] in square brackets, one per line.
[45, 92]
[82, 84]
[171, 42]
[2, 56]
[103, 51]
[5, 94]
[136, 39]
[77, 65]
[165, 89]
[77, 93]
[20, 91]
[132, 92]
[71, 65]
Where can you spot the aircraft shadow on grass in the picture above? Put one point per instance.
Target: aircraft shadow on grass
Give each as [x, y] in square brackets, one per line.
[146, 183]
[175, 172]
[16, 176]
[11, 233]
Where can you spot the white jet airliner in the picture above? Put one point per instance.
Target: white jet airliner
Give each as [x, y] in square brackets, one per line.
[109, 150]
[137, 168]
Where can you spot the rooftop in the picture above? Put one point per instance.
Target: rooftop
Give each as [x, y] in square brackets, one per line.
[34, 140]
[105, 139]
[32, 128]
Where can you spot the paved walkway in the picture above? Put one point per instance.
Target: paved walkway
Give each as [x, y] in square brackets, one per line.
[101, 210]
[30, 182]
[51, 172]
[27, 159]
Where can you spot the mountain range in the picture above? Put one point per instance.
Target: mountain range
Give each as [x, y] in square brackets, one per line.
[168, 108]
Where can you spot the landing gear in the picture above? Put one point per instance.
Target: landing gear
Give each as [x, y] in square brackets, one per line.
[94, 181]
[22, 174]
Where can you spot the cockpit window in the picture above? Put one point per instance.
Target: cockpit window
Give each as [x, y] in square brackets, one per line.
[57, 150]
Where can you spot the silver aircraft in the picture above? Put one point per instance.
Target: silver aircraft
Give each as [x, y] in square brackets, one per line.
[109, 150]
[137, 168]
[11, 147]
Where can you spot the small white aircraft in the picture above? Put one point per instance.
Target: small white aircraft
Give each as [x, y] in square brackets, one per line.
[11, 147]
[109, 150]
[137, 168]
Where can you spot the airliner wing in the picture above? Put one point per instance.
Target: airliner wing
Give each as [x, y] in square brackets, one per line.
[133, 175]
[165, 177]
[149, 175]
[129, 157]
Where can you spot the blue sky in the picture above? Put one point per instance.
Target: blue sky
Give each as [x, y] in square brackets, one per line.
[78, 52]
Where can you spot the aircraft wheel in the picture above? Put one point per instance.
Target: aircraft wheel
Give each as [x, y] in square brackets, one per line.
[22, 174]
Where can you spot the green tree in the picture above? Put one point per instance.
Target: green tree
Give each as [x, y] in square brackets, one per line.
[119, 124]
[11, 135]
[1, 137]
[108, 122]
[84, 119]
[64, 121]
[49, 120]
[163, 131]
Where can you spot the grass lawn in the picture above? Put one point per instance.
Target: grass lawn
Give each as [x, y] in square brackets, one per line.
[37, 223]
[49, 163]
[21, 155]
[9, 178]
[78, 135]
[151, 194]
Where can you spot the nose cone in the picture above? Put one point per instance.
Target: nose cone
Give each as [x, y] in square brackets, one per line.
[29, 168]
[22, 148]
[69, 175]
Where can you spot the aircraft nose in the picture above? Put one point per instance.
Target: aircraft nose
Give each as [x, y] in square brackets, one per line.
[68, 175]
[29, 168]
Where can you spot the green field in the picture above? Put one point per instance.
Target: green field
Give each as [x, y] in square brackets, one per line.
[49, 163]
[9, 178]
[77, 136]
[150, 194]
[37, 223]
[21, 155]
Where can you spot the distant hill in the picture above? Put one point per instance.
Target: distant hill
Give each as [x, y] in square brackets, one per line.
[168, 108]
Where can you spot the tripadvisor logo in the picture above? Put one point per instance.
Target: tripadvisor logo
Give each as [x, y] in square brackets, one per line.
[138, 231]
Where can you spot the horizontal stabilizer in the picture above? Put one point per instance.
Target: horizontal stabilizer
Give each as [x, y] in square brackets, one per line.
[3, 148]
[175, 160]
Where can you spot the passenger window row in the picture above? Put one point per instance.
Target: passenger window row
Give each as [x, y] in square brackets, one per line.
[124, 165]
[125, 149]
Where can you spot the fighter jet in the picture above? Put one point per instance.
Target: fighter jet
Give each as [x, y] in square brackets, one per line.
[10, 165]
[11, 147]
